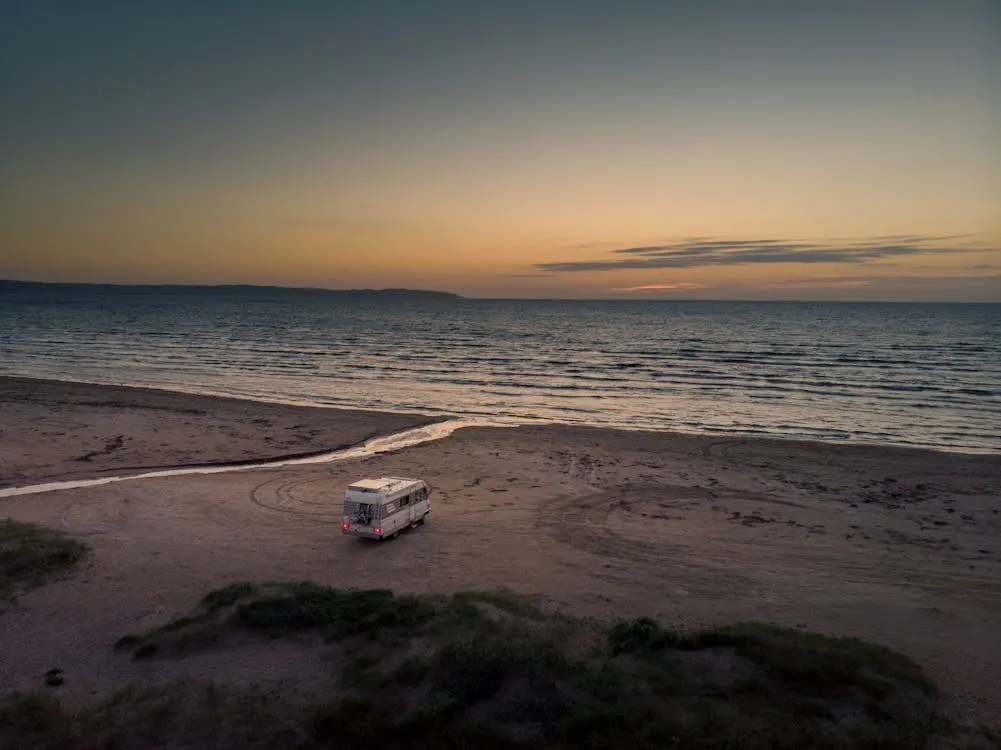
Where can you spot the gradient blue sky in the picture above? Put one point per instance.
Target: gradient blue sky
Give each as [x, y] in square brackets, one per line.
[561, 149]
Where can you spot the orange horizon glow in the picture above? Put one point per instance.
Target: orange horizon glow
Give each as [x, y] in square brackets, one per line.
[543, 160]
[683, 287]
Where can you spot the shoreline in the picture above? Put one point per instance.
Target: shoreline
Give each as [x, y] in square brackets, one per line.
[479, 421]
[207, 394]
[893, 544]
[55, 430]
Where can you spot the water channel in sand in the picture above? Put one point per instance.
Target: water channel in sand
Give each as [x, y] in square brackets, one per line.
[375, 446]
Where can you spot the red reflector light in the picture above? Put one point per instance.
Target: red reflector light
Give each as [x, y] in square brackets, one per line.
[377, 530]
[347, 526]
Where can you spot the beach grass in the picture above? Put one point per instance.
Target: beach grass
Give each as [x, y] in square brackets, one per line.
[31, 555]
[491, 669]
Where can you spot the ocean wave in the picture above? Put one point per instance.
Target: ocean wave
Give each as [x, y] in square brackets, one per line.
[825, 371]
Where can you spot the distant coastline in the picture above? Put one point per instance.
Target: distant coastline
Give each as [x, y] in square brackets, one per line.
[234, 289]
[393, 293]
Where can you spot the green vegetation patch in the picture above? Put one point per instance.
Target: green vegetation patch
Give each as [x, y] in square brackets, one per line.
[229, 595]
[805, 661]
[489, 669]
[336, 612]
[30, 555]
[284, 609]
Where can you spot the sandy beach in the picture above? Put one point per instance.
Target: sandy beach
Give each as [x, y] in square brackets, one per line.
[898, 546]
[51, 430]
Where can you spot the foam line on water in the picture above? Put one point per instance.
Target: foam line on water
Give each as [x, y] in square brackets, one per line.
[375, 446]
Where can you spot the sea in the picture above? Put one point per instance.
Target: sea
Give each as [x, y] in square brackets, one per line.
[875, 373]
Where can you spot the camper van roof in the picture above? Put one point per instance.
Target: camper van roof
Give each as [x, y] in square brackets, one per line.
[385, 484]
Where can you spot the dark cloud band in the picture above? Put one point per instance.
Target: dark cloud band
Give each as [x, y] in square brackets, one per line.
[709, 252]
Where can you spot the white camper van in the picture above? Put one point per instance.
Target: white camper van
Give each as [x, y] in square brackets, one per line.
[380, 508]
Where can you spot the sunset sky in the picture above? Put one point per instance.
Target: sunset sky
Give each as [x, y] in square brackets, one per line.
[648, 149]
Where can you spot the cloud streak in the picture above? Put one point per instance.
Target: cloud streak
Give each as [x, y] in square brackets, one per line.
[697, 253]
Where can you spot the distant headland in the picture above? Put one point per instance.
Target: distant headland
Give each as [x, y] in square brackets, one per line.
[44, 287]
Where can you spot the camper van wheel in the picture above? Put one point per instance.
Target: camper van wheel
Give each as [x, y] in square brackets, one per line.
[395, 535]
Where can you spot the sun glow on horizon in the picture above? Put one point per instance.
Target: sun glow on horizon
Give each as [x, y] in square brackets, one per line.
[683, 286]
[502, 152]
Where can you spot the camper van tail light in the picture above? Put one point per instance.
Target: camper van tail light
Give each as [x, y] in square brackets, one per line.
[346, 526]
[377, 530]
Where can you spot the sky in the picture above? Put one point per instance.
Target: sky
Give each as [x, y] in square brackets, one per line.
[546, 148]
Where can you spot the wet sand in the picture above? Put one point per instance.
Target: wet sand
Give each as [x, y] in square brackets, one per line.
[898, 546]
[51, 430]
